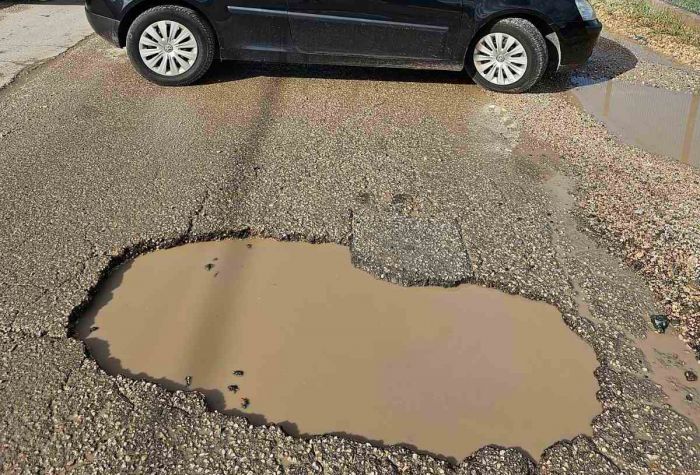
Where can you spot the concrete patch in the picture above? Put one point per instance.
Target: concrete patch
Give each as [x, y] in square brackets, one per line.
[409, 250]
[8, 70]
[33, 33]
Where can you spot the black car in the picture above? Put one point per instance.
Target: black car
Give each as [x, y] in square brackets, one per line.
[505, 45]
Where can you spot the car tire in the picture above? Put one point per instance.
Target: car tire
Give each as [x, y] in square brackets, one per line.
[150, 35]
[518, 72]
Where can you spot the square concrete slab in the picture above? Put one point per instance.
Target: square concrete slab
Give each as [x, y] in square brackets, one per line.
[409, 250]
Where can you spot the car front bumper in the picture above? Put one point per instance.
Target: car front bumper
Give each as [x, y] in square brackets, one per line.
[577, 40]
[107, 28]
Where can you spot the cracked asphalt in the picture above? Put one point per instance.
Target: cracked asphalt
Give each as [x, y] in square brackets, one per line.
[426, 178]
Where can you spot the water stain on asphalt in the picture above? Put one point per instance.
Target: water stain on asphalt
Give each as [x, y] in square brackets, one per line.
[658, 120]
[292, 333]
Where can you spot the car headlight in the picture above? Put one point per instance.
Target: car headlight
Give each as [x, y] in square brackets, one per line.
[586, 10]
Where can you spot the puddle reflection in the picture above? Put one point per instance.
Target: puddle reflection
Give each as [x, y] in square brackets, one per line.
[658, 120]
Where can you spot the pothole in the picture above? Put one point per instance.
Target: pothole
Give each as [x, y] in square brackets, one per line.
[658, 120]
[293, 334]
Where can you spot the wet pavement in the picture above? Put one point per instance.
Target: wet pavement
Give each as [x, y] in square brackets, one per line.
[426, 178]
[327, 348]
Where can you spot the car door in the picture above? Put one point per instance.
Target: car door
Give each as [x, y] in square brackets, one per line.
[420, 29]
[252, 29]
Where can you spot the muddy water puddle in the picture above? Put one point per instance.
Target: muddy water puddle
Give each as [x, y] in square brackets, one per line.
[658, 120]
[674, 366]
[293, 334]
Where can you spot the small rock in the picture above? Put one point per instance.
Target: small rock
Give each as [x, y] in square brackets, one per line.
[238, 372]
[660, 323]
[188, 381]
[209, 266]
[691, 376]
[689, 397]
[640, 38]
[92, 329]
[245, 402]
[233, 387]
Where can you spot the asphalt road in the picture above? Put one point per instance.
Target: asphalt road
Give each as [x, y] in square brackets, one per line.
[421, 174]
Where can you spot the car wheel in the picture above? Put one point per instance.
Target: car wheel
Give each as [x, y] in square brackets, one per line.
[510, 57]
[171, 45]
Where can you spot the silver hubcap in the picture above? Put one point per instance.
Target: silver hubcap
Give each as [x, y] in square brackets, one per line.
[500, 59]
[168, 48]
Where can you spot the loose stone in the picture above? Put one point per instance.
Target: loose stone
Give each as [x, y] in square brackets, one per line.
[660, 323]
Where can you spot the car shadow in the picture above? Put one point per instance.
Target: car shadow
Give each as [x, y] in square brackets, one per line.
[609, 60]
[225, 71]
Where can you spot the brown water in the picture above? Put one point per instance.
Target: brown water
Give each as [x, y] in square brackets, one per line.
[325, 347]
[669, 358]
[658, 120]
